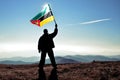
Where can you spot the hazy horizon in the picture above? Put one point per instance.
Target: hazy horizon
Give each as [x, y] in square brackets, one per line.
[85, 27]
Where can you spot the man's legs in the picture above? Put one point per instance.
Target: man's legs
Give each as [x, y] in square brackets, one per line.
[42, 61]
[52, 58]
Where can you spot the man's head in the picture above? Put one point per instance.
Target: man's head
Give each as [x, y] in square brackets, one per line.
[45, 31]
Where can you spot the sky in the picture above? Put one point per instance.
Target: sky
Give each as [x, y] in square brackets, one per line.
[86, 27]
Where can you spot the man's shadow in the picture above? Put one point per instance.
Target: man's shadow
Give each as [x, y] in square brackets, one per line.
[42, 75]
[53, 75]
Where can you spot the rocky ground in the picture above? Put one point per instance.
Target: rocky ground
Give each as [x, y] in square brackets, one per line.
[77, 71]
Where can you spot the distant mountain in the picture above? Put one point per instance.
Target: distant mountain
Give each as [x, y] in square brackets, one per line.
[90, 58]
[14, 62]
[115, 56]
[23, 59]
[59, 60]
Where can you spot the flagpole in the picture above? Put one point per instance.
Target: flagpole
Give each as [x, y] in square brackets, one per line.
[52, 13]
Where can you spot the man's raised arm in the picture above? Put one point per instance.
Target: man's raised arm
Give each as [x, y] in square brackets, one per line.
[55, 31]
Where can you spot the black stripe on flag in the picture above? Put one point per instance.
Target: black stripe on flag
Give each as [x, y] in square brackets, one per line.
[45, 16]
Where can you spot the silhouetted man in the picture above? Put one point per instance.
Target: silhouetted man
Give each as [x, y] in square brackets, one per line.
[45, 45]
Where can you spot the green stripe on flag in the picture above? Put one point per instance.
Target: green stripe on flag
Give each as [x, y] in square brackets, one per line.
[42, 13]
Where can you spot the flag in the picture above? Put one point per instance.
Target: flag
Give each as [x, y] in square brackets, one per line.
[44, 17]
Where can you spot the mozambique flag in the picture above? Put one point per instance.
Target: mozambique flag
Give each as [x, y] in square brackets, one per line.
[44, 17]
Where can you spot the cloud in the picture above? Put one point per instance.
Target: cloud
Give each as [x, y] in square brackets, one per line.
[95, 21]
[86, 50]
[89, 22]
[16, 47]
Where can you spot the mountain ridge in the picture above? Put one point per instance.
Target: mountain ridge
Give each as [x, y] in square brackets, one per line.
[59, 59]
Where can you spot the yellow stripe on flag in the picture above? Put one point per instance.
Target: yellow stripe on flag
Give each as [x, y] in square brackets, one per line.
[47, 20]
